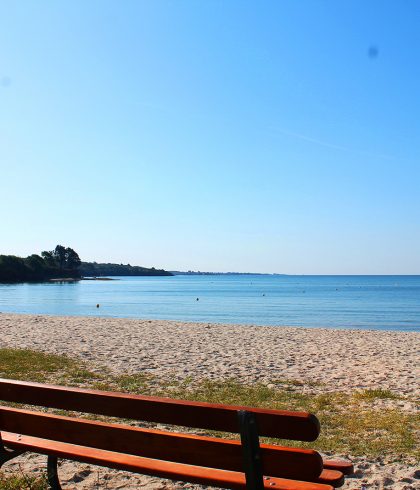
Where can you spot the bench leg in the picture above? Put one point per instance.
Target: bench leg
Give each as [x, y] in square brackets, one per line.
[52, 473]
[251, 450]
[7, 454]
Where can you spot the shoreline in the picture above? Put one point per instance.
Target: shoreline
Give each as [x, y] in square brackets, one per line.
[97, 315]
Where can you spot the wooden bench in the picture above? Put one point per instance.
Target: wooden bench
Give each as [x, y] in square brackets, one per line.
[178, 456]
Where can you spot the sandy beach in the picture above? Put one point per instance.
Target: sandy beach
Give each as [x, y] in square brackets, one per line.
[329, 360]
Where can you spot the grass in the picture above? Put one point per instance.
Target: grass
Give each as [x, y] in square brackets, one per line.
[22, 482]
[136, 384]
[350, 423]
[28, 365]
[295, 383]
[369, 432]
[376, 394]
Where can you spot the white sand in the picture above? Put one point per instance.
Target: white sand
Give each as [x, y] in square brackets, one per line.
[340, 360]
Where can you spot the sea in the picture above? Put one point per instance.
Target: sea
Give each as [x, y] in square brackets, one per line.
[347, 302]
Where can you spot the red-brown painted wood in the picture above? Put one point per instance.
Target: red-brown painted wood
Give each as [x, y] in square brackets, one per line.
[331, 477]
[344, 466]
[304, 464]
[163, 469]
[300, 426]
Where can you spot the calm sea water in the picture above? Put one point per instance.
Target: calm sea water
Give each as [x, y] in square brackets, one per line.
[363, 302]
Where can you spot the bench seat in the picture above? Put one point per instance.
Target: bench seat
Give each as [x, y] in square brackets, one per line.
[164, 469]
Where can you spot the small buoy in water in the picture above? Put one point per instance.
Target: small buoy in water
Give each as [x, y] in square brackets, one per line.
[263, 294]
[198, 299]
[97, 306]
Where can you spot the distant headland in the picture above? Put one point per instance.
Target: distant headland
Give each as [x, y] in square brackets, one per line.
[64, 263]
[93, 269]
[201, 273]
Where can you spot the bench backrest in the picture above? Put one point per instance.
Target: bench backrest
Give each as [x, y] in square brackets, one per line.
[300, 426]
[180, 448]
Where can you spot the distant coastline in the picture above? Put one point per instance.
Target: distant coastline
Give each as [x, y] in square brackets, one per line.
[63, 264]
[201, 273]
[94, 269]
[74, 279]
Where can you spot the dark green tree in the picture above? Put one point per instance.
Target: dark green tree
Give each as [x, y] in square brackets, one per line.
[49, 258]
[60, 262]
[59, 254]
[73, 261]
[12, 269]
[36, 267]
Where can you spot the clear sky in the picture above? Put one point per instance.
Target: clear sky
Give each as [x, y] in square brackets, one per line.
[273, 136]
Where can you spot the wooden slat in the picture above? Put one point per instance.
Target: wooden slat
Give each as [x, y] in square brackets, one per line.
[331, 477]
[300, 426]
[344, 466]
[183, 448]
[163, 469]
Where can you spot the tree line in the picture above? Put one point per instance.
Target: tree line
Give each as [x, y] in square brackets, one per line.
[61, 262]
[64, 262]
[93, 269]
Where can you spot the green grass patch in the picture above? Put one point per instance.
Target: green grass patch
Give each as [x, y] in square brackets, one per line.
[28, 365]
[22, 482]
[370, 432]
[230, 392]
[376, 394]
[135, 384]
[295, 383]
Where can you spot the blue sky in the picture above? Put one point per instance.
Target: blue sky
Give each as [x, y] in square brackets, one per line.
[275, 136]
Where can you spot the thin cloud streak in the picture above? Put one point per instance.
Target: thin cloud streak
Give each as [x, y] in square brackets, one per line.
[330, 145]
